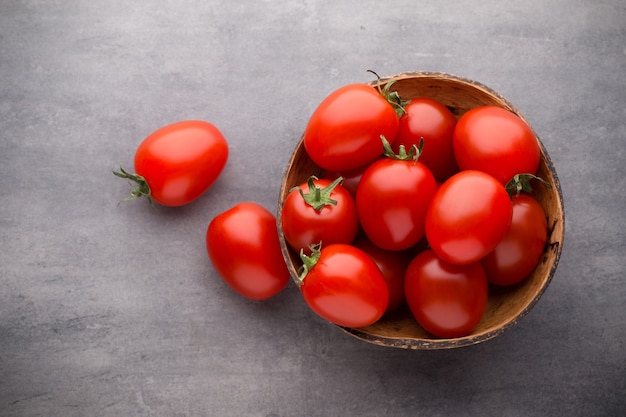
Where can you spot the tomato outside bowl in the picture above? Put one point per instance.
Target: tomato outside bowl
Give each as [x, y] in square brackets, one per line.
[506, 306]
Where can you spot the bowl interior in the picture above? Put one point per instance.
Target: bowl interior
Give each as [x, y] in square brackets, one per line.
[505, 305]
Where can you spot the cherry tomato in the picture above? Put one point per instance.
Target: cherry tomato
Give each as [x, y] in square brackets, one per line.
[392, 199]
[517, 255]
[468, 216]
[242, 243]
[433, 122]
[495, 141]
[177, 163]
[344, 130]
[393, 265]
[343, 285]
[446, 300]
[319, 210]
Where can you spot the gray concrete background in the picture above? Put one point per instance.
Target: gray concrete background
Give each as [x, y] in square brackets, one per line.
[116, 311]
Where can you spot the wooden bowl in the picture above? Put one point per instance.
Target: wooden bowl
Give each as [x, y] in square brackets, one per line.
[506, 306]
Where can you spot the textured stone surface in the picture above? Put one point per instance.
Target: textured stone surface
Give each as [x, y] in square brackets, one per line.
[110, 310]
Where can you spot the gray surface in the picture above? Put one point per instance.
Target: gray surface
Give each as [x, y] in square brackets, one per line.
[116, 311]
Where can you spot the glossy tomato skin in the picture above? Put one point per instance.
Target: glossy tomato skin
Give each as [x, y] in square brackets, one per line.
[304, 226]
[392, 200]
[446, 300]
[242, 243]
[393, 265]
[469, 215]
[496, 141]
[517, 255]
[344, 130]
[429, 119]
[346, 287]
[351, 177]
[181, 161]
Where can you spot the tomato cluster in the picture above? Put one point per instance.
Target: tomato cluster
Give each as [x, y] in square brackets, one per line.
[413, 206]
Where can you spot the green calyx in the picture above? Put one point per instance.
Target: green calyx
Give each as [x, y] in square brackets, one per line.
[140, 186]
[392, 97]
[319, 197]
[309, 261]
[521, 182]
[412, 155]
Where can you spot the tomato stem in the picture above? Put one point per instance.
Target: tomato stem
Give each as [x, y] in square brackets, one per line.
[319, 197]
[141, 188]
[392, 97]
[402, 155]
[308, 262]
[521, 182]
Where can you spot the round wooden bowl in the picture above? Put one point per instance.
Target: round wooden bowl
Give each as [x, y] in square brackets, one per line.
[506, 306]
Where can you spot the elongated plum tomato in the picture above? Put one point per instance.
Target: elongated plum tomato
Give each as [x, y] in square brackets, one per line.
[343, 285]
[495, 141]
[319, 210]
[242, 243]
[344, 131]
[177, 163]
[433, 122]
[446, 300]
[392, 199]
[517, 255]
[468, 216]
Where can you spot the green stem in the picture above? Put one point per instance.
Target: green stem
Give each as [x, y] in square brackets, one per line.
[521, 182]
[319, 197]
[141, 188]
[308, 262]
[392, 97]
[412, 155]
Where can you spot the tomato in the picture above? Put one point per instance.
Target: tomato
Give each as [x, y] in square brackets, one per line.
[242, 243]
[430, 120]
[446, 300]
[177, 163]
[517, 255]
[344, 130]
[351, 177]
[319, 210]
[392, 264]
[343, 285]
[496, 141]
[468, 216]
[392, 199]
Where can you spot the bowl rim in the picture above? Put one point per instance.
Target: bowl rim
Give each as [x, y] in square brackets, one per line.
[474, 338]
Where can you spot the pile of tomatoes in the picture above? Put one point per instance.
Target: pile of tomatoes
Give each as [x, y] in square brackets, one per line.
[412, 207]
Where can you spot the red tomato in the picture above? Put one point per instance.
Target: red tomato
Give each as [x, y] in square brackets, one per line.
[344, 130]
[468, 216]
[351, 177]
[319, 210]
[495, 141]
[177, 163]
[393, 265]
[430, 120]
[343, 285]
[243, 246]
[517, 255]
[446, 300]
[392, 199]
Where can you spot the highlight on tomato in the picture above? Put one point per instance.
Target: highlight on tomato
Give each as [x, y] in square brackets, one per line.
[343, 285]
[177, 163]
[319, 210]
[243, 246]
[446, 300]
